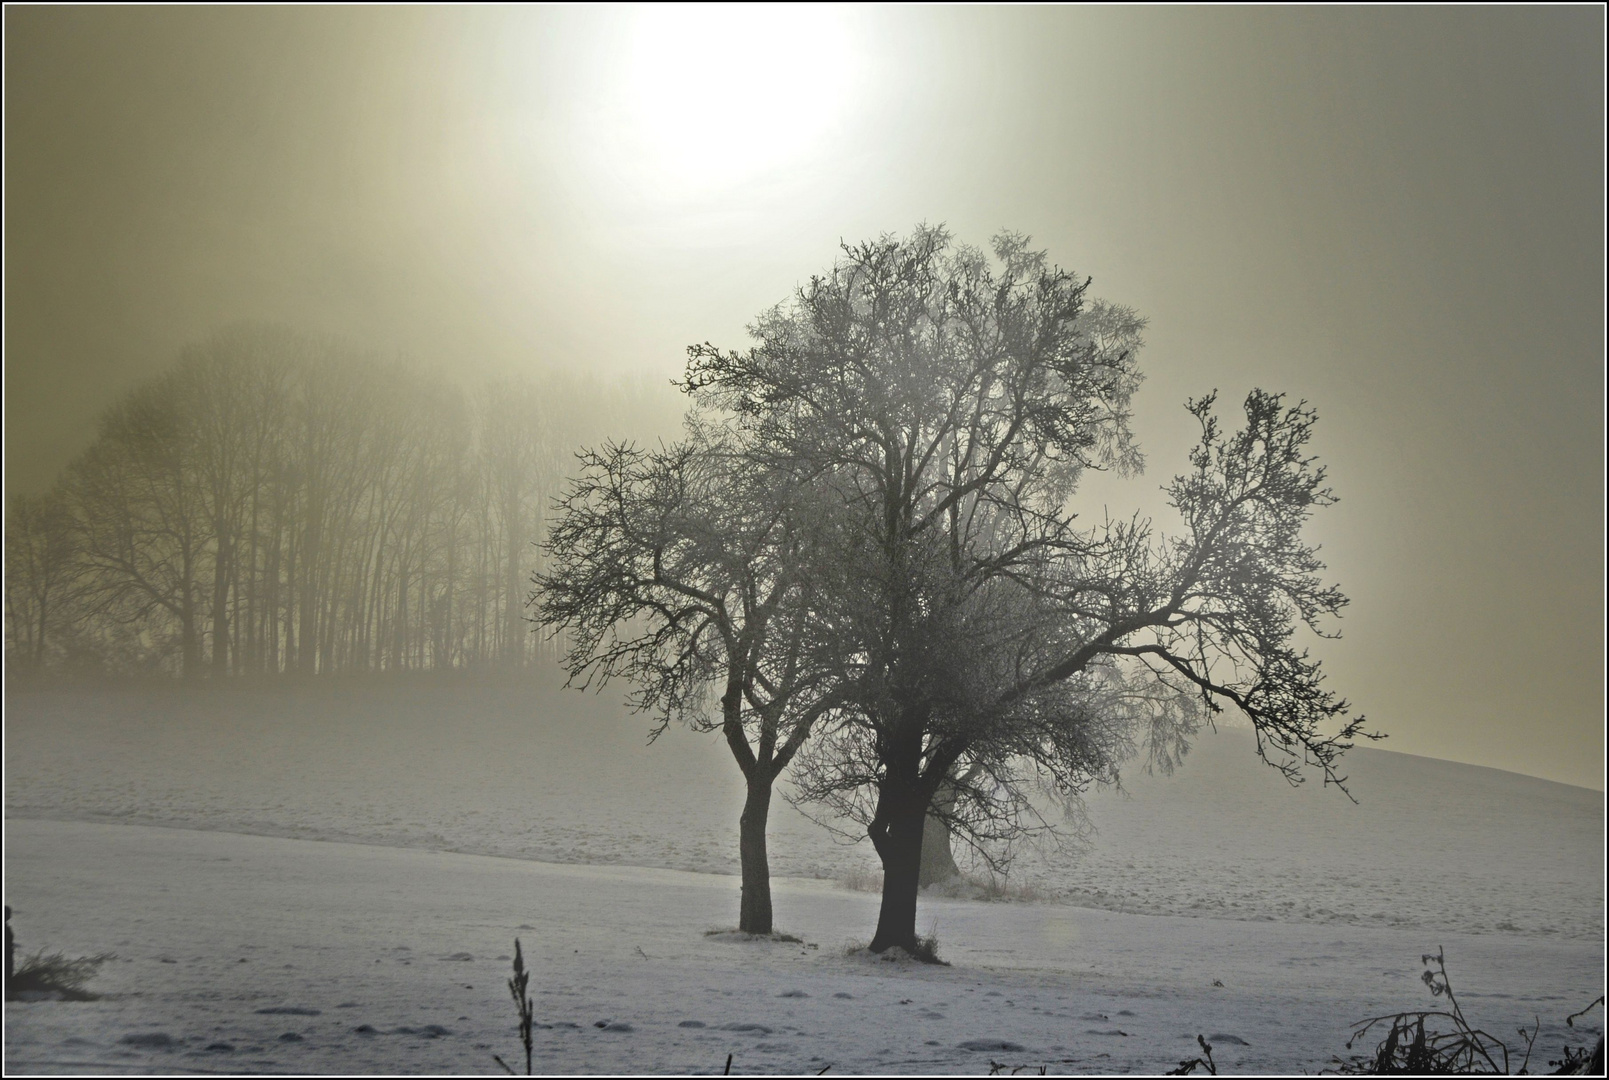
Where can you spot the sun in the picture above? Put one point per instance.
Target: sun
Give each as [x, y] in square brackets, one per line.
[711, 97]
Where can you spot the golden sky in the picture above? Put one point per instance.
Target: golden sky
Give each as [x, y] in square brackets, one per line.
[1397, 215]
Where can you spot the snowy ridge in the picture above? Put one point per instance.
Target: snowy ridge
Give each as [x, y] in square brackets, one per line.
[534, 773]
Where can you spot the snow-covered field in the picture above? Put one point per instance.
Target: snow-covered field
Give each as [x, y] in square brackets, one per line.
[125, 812]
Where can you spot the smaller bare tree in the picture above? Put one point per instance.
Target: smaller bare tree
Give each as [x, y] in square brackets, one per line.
[41, 568]
[682, 570]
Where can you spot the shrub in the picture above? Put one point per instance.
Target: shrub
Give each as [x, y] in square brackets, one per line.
[55, 976]
[927, 949]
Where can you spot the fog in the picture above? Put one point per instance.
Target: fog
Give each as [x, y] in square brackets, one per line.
[349, 361]
[1397, 216]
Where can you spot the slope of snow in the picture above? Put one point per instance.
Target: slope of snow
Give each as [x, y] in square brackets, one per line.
[246, 954]
[534, 773]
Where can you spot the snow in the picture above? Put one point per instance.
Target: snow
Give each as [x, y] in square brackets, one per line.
[333, 957]
[405, 835]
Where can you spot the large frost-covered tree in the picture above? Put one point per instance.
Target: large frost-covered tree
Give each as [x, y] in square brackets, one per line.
[944, 406]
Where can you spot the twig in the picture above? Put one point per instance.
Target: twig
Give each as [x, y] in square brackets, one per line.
[516, 988]
[1530, 1041]
[1569, 1021]
[728, 1070]
[503, 1063]
[1189, 1065]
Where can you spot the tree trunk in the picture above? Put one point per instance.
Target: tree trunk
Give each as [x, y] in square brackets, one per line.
[190, 644]
[754, 912]
[896, 833]
[938, 859]
[514, 606]
[220, 604]
[306, 634]
[39, 645]
[938, 863]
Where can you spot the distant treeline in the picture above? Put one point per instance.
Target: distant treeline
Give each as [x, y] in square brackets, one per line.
[278, 503]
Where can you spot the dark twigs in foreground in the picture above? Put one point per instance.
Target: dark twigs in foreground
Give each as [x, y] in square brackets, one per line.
[1569, 1021]
[1420, 1042]
[522, 1000]
[1577, 1060]
[1431, 1041]
[1189, 1065]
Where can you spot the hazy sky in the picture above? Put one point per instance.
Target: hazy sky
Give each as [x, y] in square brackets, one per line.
[1398, 215]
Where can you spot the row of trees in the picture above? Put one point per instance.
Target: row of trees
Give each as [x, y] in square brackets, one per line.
[277, 503]
[864, 552]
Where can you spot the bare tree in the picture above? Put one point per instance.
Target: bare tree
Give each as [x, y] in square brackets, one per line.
[282, 503]
[41, 567]
[950, 404]
[679, 570]
[216, 383]
[142, 519]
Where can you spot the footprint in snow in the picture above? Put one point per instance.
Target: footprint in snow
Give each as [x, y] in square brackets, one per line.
[691, 1024]
[1000, 1045]
[842, 994]
[793, 994]
[461, 956]
[288, 1010]
[290, 1036]
[759, 1029]
[156, 1040]
[1234, 1040]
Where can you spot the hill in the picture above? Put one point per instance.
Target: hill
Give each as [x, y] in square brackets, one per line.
[519, 770]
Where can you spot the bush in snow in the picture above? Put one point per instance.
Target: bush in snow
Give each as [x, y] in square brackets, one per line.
[54, 977]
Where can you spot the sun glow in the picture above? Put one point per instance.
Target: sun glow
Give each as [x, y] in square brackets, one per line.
[710, 97]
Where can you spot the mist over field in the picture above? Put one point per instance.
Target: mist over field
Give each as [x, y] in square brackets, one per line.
[525, 770]
[370, 898]
[804, 540]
